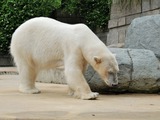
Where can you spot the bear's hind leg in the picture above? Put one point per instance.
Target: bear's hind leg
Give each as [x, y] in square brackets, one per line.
[27, 76]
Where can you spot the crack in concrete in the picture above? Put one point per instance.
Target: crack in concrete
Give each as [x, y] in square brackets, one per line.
[128, 51]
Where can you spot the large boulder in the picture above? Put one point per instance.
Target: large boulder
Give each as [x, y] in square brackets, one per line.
[139, 72]
[144, 33]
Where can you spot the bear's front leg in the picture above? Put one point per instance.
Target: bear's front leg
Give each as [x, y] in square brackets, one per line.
[78, 86]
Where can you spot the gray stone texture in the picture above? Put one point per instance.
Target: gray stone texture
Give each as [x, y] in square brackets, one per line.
[154, 12]
[117, 35]
[146, 13]
[146, 5]
[155, 4]
[112, 23]
[144, 33]
[134, 8]
[121, 34]
[121, 21]
[118, 11]
[146, 71]
[130, 18]
[112, 37]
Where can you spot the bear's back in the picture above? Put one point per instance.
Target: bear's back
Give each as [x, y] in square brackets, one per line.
[43, 37]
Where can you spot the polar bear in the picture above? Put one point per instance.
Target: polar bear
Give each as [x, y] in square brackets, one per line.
[44, 43]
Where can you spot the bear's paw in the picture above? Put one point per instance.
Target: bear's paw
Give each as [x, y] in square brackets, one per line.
[29, 90]
[90, 96]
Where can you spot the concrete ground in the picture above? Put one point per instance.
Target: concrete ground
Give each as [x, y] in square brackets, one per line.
[54, 104]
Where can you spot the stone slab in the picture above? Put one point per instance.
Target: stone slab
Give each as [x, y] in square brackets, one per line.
[155, 4]
[146, 71]
[121, 21]
[112, 23]
[112, 37]
[146, 5]
[122, 34]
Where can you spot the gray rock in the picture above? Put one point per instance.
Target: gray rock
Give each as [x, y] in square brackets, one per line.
[144, 33]
[118, 45]
[146, 72]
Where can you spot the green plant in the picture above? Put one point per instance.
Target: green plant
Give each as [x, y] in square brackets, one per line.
[15, 12]
[96, 13]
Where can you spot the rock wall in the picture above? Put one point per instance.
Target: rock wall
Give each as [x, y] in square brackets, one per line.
[121, 18]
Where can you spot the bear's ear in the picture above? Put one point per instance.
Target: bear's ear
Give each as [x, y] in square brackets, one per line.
[97, 59]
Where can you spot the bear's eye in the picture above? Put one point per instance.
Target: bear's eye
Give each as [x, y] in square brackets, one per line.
[110, 72]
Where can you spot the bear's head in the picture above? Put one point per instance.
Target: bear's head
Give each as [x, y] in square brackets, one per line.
[107, 67]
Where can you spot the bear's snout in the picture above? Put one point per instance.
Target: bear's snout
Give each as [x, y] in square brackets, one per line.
[112, 80]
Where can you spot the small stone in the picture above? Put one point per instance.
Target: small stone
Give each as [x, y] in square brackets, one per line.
[93, 115]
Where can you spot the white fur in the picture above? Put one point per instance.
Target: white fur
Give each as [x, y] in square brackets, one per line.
[44, 43]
